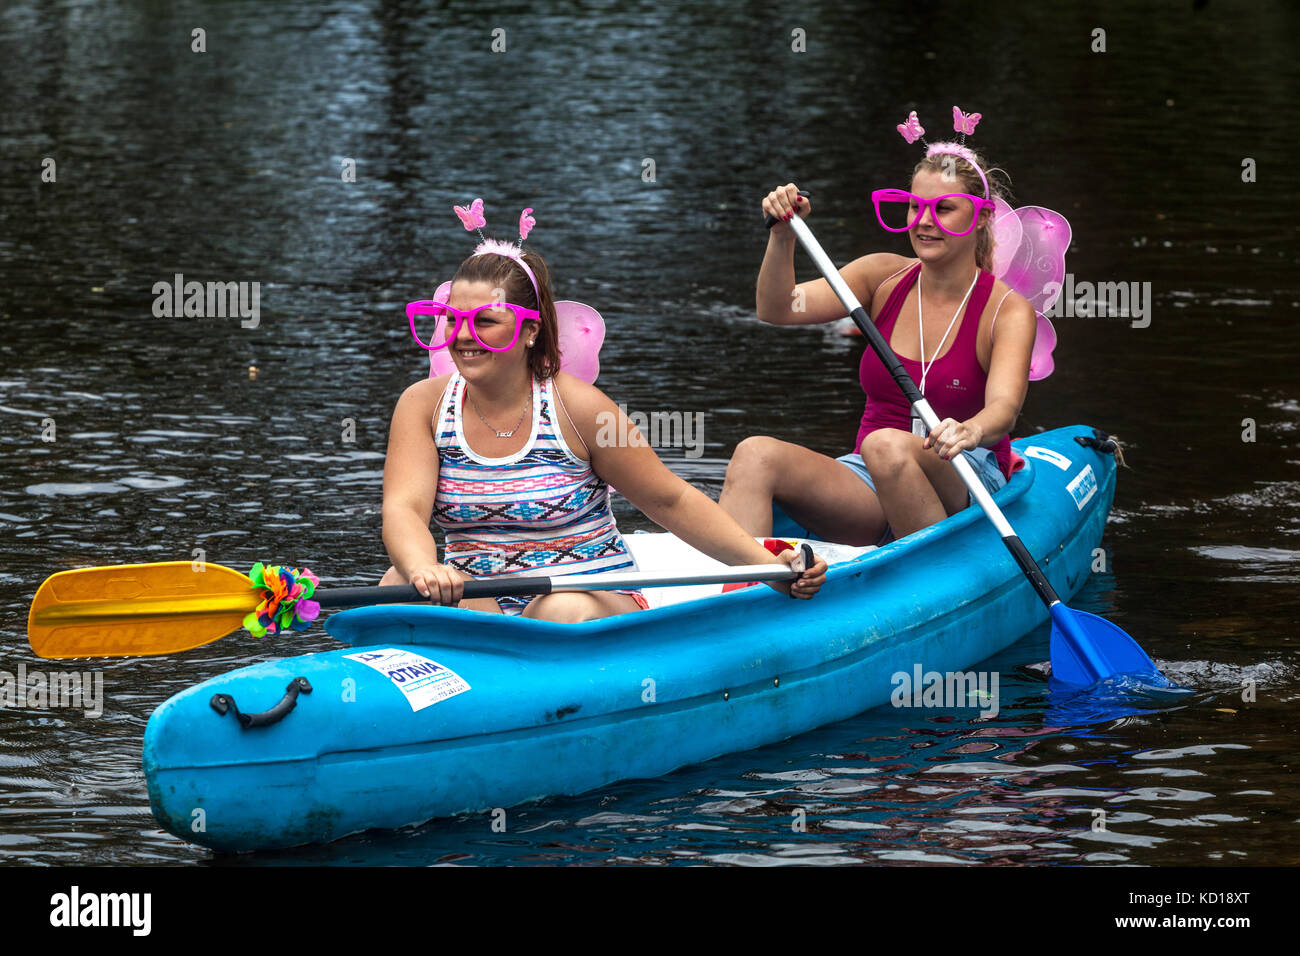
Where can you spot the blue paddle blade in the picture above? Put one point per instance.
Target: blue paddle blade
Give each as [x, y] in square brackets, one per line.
[1087, 648]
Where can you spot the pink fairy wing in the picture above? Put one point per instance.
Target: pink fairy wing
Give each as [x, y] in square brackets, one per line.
[1041, 363]
[1006, 236]
[440, 362]
[582, 332]
[1035, 268]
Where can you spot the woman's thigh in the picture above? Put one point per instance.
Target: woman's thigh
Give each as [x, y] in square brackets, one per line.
[825, 496]
[948, 484]
[942, 475]
[576, 606]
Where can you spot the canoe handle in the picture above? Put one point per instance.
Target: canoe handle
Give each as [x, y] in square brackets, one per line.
[1103, 443]
[223, 702]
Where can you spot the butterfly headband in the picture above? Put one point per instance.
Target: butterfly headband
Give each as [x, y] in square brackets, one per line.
[1029, 243]
[472, 218]
[580, 327]
[963, 123]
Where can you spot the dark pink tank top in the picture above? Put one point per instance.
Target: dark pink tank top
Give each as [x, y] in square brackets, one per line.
[954, 384]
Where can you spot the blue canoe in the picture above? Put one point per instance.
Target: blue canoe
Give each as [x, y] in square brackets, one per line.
[434, 711]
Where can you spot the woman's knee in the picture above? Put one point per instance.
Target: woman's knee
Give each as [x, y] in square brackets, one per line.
[887, 451]
[565, 607]
[574, 607]
[392, 576]
[755, 461]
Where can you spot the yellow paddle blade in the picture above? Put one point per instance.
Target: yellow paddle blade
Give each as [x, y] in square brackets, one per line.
[137, 609]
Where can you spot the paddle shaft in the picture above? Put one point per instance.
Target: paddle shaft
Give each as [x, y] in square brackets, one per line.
[603, 581]
[241, 602]
[922, 407]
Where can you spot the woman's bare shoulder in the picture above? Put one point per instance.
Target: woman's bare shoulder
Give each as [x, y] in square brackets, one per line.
[878, 267]
[1008, 318]
[581, 399]
[1006, 301]
[425, 393]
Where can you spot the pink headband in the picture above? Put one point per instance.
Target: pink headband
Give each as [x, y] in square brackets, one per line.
[963, 123]
[495, 247]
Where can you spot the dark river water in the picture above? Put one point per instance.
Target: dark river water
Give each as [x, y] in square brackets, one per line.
[226, 166]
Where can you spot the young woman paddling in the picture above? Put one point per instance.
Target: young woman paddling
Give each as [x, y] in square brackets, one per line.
[511, 456]
[964, 336]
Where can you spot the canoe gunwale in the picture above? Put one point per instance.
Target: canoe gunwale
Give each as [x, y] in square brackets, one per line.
[459, 627]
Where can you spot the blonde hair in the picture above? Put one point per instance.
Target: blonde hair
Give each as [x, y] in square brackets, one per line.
[968, 179]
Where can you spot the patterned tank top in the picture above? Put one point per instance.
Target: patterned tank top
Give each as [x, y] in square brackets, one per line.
[541, 511]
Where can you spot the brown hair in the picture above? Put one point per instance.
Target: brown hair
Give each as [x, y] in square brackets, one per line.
[968, 179]
[504, 273]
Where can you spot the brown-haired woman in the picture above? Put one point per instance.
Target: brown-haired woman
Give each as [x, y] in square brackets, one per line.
[504, 455]
[963, 335]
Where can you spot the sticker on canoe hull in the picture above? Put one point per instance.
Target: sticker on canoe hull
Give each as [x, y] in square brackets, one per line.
[424, 682]
[1082, 486]
[1046, 454]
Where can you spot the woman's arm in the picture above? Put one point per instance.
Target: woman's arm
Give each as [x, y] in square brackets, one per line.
[410, 486]
[778, 301]
[623, 458]
[1008, 380]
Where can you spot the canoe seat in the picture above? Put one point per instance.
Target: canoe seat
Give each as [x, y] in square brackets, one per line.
[660, 551]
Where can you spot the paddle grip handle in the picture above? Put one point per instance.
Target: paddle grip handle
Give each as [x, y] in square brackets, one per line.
[805, 552]
[769, 220]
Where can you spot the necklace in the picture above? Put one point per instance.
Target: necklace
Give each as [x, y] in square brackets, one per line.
[920, 324]
[527, 404]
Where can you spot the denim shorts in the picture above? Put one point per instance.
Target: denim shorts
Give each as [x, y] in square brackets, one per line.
[983, 460]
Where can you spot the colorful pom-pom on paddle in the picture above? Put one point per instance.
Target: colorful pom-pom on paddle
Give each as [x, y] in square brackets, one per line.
[286, 599]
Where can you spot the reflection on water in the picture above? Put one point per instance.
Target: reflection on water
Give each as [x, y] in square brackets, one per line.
[132, 438]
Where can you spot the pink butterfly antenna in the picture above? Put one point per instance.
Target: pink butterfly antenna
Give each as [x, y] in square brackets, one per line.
[472, 217]
[964, 123]
[911, 130]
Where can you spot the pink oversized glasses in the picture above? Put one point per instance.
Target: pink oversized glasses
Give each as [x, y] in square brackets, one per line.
[435, 314]
[898, 210]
